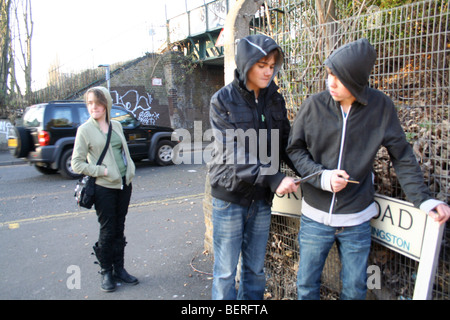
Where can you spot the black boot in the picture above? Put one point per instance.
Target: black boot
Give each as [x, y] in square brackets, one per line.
[108, 283]
[122, 275]
[119, 271]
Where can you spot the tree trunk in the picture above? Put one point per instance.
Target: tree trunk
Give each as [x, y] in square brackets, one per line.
[5, 42]
[327, 17]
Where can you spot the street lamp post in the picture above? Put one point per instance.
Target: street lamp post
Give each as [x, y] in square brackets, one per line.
[108, 74]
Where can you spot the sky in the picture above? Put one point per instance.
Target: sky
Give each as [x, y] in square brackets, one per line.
[83, 34]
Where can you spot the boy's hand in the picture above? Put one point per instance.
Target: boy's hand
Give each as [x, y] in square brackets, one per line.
[339, 180]
[287, 185]
[441, 213]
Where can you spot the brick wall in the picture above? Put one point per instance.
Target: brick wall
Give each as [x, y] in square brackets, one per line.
[186, 88]
[190, 88]
[141, 74]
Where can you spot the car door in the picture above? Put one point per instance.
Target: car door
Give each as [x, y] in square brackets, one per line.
[62, 124]
[137, 137]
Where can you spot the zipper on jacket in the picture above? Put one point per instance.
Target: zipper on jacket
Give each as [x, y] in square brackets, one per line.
[263, 118]
[117, 167]
[341, 149]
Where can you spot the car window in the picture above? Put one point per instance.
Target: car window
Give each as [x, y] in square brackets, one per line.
[83, 114]
[33, 116]
[62, 117]
[126, 119]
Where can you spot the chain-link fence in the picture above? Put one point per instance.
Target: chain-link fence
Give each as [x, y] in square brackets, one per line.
[412, 68]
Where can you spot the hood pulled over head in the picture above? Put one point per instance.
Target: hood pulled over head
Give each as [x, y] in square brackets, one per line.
[251, 49]
[352, 64]
[103, 96]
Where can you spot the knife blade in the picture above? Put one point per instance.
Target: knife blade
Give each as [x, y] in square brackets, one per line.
[301, 180]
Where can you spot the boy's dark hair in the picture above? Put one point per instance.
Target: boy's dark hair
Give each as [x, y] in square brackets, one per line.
[275, 53]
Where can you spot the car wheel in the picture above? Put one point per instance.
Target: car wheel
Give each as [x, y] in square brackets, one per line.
[65, 166]
[19, 141]
[164, 152]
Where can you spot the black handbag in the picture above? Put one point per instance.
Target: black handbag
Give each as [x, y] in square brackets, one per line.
[85, 188]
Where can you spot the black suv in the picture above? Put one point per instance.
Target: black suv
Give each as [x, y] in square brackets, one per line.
[47, 136]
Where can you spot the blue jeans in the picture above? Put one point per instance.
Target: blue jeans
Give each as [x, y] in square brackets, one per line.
[316, 240]
[239, 230]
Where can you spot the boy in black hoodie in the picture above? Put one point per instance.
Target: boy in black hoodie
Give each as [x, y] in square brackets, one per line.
[340, 131]
[250, 125]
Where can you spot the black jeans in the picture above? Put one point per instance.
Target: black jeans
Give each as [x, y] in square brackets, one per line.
[111, 206]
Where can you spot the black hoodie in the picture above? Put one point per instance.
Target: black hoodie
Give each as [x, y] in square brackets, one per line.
[353, 73]
[250, 50]
[234, 107]
[323, 138]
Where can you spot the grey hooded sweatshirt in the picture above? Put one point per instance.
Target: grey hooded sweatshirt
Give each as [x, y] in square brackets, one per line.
[324, 138]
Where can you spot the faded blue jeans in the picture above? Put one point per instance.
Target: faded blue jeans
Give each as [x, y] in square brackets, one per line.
[316, 240]
[239, 230]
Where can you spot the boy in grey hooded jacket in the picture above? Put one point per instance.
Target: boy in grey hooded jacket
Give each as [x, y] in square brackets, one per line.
[340, 131]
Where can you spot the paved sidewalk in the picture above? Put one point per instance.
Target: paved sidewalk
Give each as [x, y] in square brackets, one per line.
[7, 159]
[165, 251]
[46, 258]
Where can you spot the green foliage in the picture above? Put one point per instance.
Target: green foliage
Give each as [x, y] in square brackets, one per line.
[386, 4]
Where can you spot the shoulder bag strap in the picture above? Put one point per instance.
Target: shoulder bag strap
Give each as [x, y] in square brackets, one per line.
[99, 162]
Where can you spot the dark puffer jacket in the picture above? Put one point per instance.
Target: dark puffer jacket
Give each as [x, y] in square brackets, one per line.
[234, 107]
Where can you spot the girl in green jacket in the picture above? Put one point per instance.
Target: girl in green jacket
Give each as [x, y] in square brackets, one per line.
[113, 183]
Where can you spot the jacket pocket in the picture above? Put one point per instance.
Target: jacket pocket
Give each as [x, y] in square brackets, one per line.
[242, 120]
[114, 176]
[278, 119]
[224, 176]
[219, 204]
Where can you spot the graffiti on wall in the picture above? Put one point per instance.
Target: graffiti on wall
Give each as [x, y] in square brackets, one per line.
[5, 125]
[144, 107]
[138, 104]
